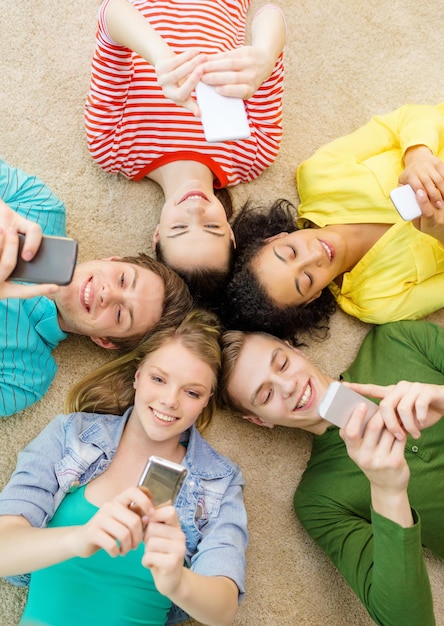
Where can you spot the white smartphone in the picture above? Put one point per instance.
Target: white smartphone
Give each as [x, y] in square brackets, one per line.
[54, 262]
[223, 118]
[404, 199]
[340, 401]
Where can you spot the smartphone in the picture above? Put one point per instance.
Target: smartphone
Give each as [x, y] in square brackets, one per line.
[340, 401]
[404, 199]
[54, 262]
[223, 118]
[163, 479]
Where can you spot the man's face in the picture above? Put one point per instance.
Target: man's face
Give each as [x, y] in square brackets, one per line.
[193, 230]
[276, 383]
[110, 298]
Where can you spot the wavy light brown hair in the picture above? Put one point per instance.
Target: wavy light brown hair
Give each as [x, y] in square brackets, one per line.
[176, 304]
[109, 389]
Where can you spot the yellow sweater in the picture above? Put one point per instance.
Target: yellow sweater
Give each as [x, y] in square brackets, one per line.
[348, 182]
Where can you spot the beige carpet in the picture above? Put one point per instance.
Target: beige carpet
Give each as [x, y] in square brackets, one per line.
[345, 61]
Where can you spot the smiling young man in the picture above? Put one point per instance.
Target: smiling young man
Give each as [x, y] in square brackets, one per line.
[353, 497]
[114, 301]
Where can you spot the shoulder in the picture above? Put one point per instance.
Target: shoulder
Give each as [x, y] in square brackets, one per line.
[205, 461]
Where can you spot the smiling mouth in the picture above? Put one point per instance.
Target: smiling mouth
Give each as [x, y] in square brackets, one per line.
[305, 398]
[328, 250]
[193, 195]
[162, 417]
[86, 296]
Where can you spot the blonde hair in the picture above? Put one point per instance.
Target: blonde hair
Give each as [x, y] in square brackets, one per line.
[109, 389]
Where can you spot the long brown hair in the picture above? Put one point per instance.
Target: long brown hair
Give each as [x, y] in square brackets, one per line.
[109, 389]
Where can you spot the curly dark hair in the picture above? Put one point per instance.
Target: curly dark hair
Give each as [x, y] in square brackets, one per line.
[246, 305]
[205, 284]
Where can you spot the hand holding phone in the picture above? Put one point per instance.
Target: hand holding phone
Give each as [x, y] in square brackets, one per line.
[406, 203]
[54, 262]
[340, 401]
[223, 118]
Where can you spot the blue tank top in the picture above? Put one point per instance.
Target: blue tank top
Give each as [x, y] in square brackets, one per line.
[96, 590]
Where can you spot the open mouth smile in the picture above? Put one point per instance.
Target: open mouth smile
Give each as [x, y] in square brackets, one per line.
[162, 417]
[328, 250]
[193, 195]
[87, 295]
[305, 398]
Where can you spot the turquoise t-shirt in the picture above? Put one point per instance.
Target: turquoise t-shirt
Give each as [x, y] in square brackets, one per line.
[96, 590]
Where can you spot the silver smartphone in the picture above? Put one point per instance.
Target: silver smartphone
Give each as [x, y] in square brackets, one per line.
[163, 479]
[406, 203]
[340, 401]
[54, 262]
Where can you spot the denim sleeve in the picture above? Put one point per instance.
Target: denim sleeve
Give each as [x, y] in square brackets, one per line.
[32, 488]
[221, 551]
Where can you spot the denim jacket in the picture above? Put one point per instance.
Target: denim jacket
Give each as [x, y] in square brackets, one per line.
[74, 449]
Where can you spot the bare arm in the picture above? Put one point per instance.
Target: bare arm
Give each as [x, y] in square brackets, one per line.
[212, 600]
[43, 547]
[240, 72]
[177, 73]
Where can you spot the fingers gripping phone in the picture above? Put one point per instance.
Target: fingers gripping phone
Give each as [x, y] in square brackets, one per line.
[163, 480]
[340, 401]
[223, 118]
[406, 203]
[54, 262]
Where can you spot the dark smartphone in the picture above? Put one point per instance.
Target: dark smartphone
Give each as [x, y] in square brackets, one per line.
[54, 262]
[163, 479]
[340, 401]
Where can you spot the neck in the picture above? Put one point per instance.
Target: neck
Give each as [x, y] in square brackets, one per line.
[136, 440]
[172, 175]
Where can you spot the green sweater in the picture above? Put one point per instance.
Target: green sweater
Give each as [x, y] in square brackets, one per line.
[381, 561]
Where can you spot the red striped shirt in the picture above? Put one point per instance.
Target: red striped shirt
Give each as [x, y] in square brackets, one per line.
[132, 128]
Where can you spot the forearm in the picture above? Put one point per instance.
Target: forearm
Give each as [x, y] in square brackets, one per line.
[128, 27]
[38, 547]
[268, 32]
[393, 506]
[212, 600]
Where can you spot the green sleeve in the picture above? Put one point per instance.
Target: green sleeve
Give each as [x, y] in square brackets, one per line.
[406, 350]
[381, 561]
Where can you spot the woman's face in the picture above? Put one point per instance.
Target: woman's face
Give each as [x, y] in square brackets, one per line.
[173, 386]
[193, 230]
[294, 268]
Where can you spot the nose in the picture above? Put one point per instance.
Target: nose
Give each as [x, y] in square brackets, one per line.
[196, 208]
[288, 386]
[169, 398]
[107, 295]
[312, 257]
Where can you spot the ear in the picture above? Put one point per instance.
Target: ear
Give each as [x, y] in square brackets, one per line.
[232, 237]
[156, 236]
[315, 297]
[112, 258]
[274, 237]
[103, 342]
[257, 420]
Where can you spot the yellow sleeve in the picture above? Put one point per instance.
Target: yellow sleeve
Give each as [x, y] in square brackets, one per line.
[349, 179]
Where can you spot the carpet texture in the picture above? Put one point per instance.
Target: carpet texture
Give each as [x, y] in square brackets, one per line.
[345, 61]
